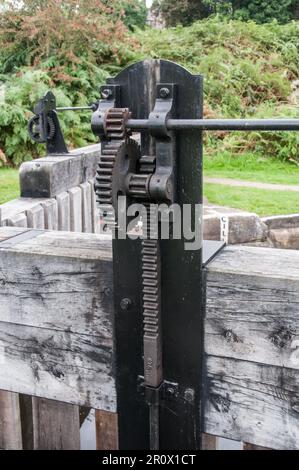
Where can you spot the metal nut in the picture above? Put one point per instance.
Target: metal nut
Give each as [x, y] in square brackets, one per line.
[164, 92]
[170, 391]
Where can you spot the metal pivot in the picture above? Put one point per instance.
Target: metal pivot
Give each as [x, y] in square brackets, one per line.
[158, 353]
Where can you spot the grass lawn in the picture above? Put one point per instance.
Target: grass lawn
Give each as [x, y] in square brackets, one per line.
[9, 184]
[251, 168]
[260, 201]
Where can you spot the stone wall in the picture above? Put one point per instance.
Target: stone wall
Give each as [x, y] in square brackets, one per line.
[238, 227]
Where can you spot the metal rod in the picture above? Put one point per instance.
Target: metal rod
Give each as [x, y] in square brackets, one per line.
[223, 124]
[74, 108]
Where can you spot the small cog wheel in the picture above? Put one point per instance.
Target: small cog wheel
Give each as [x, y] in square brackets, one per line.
[35, 131]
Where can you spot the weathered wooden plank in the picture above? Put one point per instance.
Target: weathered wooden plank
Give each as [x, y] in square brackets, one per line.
[56, 317]
[36, 217]
[251, 342]
[56, 425]
[10, 422]
[95, 218]
[257, 261]
[63, 366]
[248, 446]
[63, 201]
[253, 306]
[65, 353]
[9, 232]
[51, 214]
[252, 402]
[253, 318]
[11, 430]
[68, 244]
[25, 402]
[76, 209]
[86, 207]
[209, 442]
[19, 220]
[49, 176]
[70, 291]
[12, 208]
[106, 430]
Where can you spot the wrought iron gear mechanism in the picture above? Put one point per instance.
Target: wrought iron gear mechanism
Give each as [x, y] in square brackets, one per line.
[158, 283]
[44, 127]
[146, 174]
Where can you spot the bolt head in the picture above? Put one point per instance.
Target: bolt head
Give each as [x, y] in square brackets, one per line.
[189, 395]
[125, 304]
[106, 93]
[164, 92]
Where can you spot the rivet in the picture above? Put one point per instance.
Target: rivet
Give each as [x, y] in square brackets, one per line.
[125, 304]
[189, 395]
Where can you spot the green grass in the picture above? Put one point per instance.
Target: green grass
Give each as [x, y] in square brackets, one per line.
[9, 184]
[252, 168]
[249, 167]
[260, 201]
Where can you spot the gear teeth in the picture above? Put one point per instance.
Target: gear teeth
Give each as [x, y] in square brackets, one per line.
[151, 278]
[103, 182]
[147, 165]
[115, 123]
[138, 185]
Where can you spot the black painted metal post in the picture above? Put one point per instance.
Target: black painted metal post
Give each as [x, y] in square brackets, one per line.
[181, 278]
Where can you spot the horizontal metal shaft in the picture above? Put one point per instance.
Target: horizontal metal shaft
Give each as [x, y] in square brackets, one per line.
[222, 124]
[75, 108]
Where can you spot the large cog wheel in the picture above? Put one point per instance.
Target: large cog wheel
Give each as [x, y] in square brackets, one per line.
[118, 159]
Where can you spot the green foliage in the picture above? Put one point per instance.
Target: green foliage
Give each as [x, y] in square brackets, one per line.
[69, 30]
[184, 12]
[249, 71]
[21, 93]
[262, 11]
[62, 45]
[135, 14]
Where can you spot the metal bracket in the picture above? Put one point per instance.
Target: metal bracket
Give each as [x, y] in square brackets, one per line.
[143, 93]
[162, 183]
[163, 110]
[167, 390]
[110, 99]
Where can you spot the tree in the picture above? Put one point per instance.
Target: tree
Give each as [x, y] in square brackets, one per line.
[262, 11]
[135, 14]
[62, 31]
[180, 11]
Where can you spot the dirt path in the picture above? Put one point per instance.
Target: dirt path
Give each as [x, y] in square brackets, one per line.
[252, 184]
